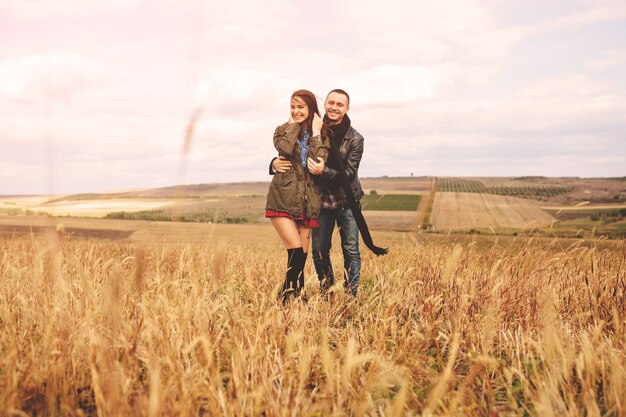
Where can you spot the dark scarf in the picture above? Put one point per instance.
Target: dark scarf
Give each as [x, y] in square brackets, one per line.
[336, 133]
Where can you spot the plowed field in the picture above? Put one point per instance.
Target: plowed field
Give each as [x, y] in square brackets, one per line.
[462, 211]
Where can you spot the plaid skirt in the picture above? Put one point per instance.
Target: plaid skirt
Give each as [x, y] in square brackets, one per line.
[310, 223]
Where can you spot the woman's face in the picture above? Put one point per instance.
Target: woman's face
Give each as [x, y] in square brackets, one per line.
[299, 110]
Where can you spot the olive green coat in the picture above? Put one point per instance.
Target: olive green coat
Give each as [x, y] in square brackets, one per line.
[296, 191]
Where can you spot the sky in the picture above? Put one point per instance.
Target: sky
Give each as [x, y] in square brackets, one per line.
[98, 95]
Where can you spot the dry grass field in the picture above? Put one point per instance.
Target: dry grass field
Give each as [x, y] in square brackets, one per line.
[139, 231]
[391, 220]
[463, 211]
[161, 326]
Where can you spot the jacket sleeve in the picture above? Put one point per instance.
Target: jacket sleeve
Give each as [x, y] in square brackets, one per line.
[285, 137]
[272, 172]
[354, 157]
[351, 164]
[319, 148]
[329, 173]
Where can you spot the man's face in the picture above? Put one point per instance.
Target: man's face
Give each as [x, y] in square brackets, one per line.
[336, 107]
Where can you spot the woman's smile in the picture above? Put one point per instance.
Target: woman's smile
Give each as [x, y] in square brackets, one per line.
[299, 110]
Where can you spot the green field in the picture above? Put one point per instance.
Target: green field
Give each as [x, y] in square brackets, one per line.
[587, 228]
[588, 221]
[594, 213]
[390, 202]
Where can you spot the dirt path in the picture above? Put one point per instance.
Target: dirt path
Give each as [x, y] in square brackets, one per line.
[420, 213]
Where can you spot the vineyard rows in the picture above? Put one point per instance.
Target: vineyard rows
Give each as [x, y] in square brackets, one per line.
[475, 186]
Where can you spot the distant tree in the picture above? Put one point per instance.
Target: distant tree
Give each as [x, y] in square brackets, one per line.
[373, 192]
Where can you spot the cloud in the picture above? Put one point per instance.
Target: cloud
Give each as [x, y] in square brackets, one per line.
[441, 85]
[607, 59]
[394, 85]
[236, 91]
[596, 11]
[52, 76]
[565, 114]
[388, 24]
[44, 9]
[564, 86]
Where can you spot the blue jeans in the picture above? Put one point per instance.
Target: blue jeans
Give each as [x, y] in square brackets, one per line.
[322, 243]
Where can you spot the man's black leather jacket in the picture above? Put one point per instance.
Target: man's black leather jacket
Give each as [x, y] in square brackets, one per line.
[351, 150]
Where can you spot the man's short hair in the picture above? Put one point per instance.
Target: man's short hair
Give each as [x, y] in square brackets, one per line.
[340, 91]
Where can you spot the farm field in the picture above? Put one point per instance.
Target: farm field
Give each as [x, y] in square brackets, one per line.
[22, 202]
[590, 226]
[183, 321]
[231, 208]
[583, 208]
[390, 202]
[397, 185]
[139, 231]
[607, 220]
[463, 211]
[382, 220]
[397, 204]
[478, 186]
[146, 232]
[225, 209]
[100, 207]
[593, 190]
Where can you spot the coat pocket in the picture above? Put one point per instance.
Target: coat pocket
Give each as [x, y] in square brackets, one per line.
[283, 179]
[282, 193]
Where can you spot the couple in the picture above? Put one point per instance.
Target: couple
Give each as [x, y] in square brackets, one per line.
[316, 186]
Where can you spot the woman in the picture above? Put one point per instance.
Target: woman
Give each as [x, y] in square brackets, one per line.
[294, 197]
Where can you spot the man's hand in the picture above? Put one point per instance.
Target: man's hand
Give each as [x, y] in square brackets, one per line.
[281, 164]
[315, 168]
[317, 124]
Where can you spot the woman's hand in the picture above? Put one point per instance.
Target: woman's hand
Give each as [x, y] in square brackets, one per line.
[315, 168]
[317, 125]
[291, 121]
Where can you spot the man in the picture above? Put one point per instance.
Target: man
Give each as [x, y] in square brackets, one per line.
[335, 205]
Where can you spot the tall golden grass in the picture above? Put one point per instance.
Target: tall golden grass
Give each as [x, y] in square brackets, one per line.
[440, 327]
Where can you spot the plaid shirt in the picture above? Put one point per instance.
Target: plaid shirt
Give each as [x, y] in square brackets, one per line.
[329, 201]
